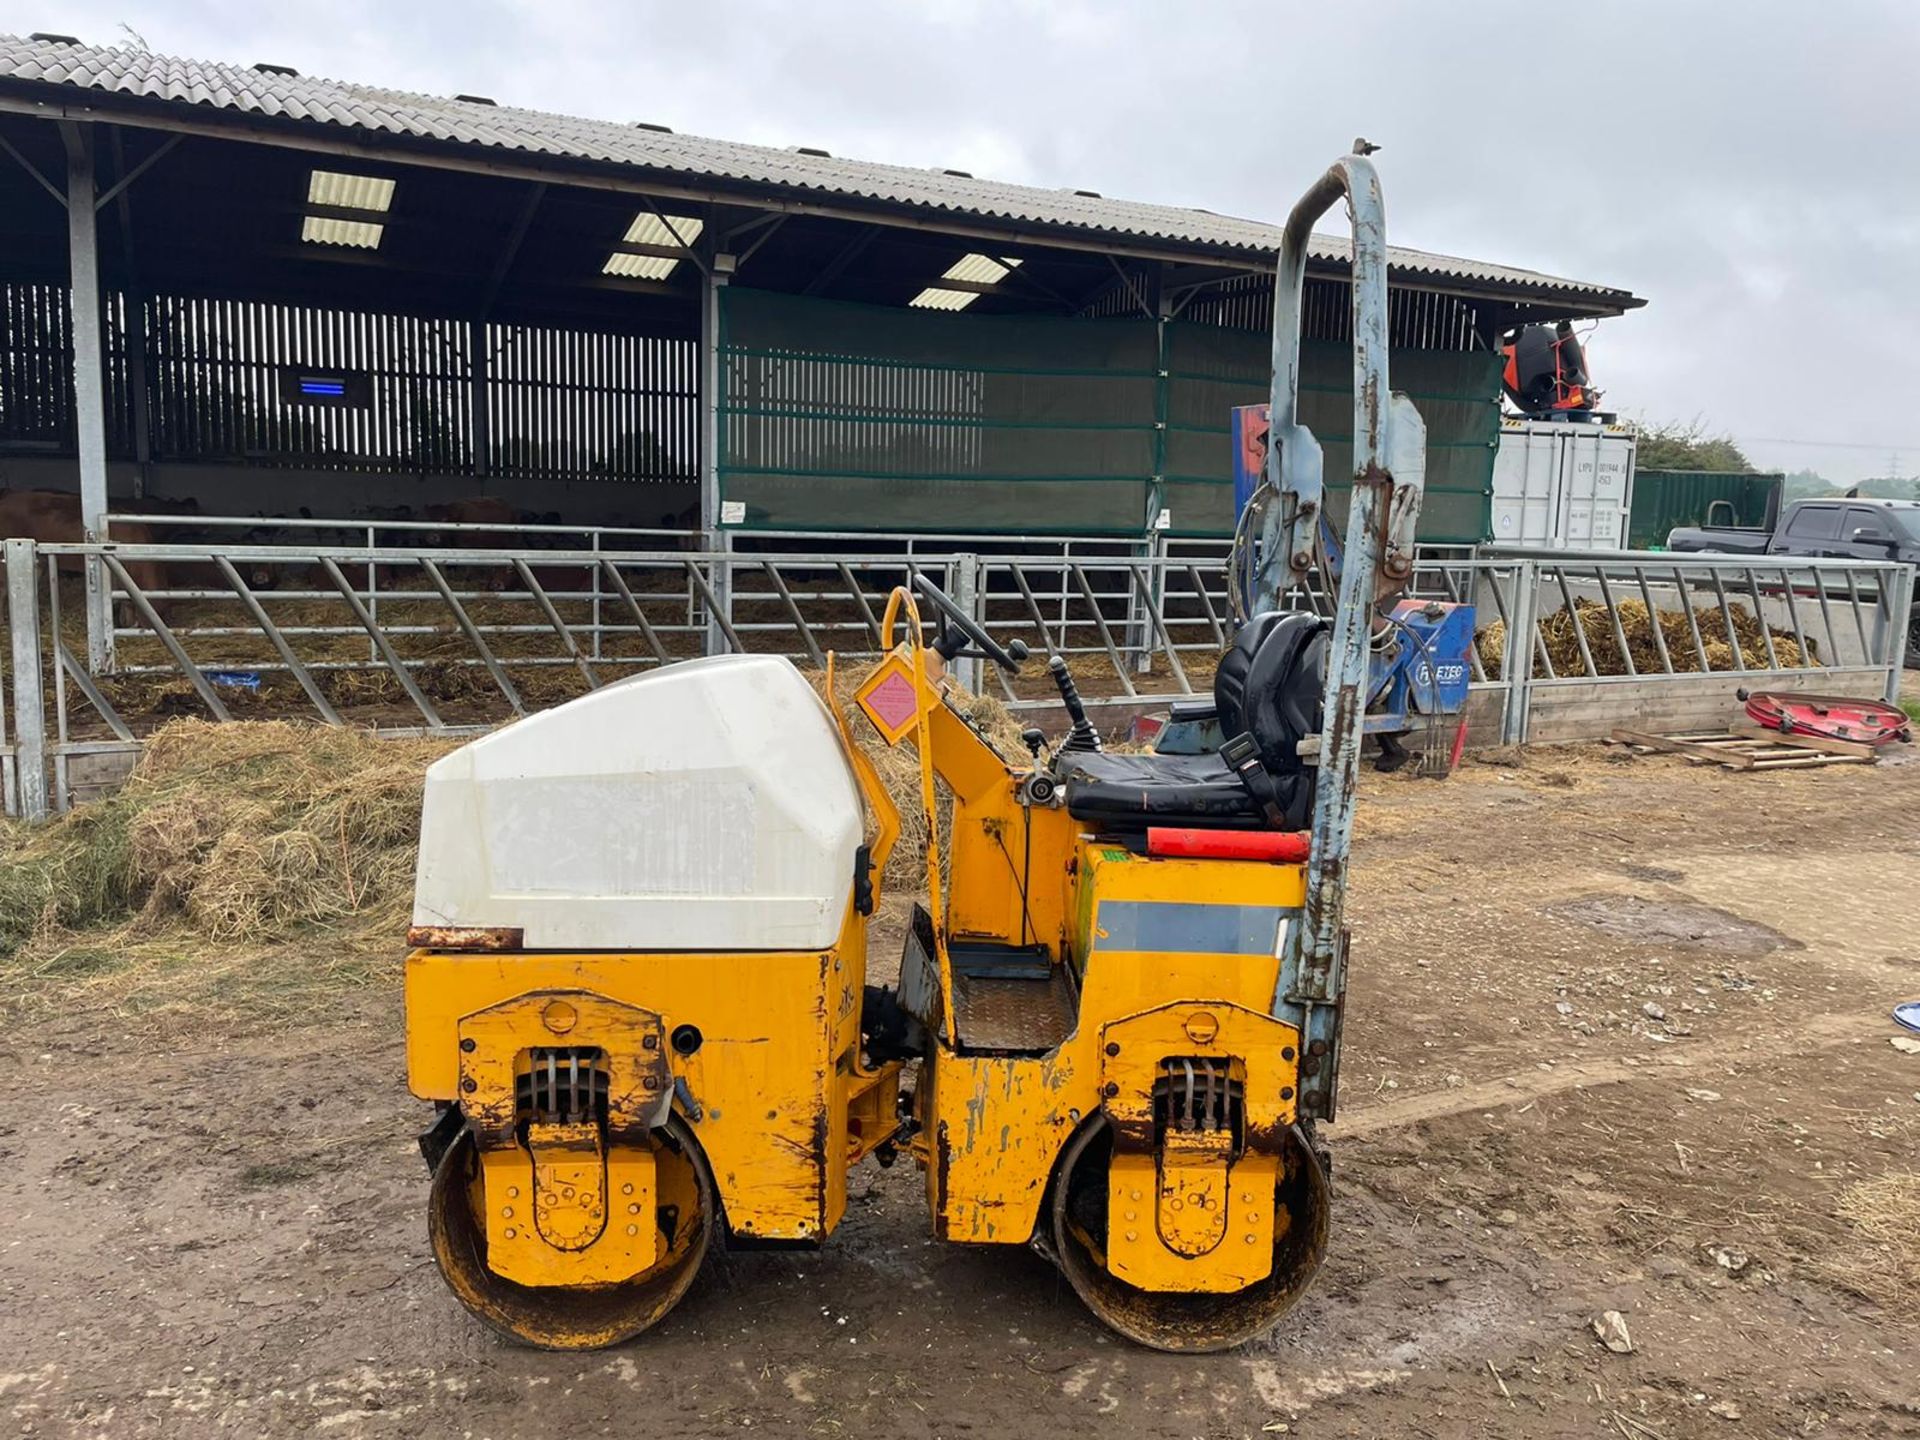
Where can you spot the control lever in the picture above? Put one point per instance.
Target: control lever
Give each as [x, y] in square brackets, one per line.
[1082, 735]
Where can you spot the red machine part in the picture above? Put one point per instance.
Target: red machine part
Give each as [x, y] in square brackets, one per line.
[1833, 717]
[1283, 847]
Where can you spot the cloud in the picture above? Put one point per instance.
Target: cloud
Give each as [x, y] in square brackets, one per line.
[1747, 169]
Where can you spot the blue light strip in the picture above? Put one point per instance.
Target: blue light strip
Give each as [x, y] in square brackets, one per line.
[323, 387]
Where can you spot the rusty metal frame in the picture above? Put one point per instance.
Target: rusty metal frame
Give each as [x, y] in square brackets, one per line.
[1312, 973]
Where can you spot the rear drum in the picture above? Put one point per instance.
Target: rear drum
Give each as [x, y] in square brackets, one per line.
[1185, 1322]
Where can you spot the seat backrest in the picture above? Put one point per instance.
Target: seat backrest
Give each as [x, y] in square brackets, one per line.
[1269, 684]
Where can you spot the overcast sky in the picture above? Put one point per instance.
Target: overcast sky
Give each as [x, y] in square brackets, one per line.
[1752, 169]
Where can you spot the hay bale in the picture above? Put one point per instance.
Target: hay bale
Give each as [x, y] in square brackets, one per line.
[1492, 645]
[245, 829]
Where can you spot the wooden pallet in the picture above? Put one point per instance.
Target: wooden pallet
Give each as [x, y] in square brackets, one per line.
[1746, 746]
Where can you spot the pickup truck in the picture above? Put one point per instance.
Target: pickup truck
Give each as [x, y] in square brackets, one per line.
[1846, 528]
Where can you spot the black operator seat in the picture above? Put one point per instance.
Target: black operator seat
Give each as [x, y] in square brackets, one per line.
[1268, 686]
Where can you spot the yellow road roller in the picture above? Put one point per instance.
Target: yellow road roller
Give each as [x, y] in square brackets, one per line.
[638, 985]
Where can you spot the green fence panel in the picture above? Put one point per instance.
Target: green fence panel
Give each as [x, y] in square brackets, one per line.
[853, 417]
[1665, 499]
[856, 417]
[1213, 370]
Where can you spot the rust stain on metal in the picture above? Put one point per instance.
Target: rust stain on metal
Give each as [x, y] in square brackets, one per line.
[943, 1165]
[465, 937]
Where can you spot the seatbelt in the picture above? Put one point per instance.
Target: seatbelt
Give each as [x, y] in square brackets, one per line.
[1243, 758]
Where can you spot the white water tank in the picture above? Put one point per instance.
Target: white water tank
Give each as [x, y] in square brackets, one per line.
[703, 806]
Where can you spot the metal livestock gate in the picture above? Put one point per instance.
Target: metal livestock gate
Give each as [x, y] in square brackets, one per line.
[444, 639]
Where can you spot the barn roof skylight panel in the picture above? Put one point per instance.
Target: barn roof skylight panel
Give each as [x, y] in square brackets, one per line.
[346, 199]
[667, 231]
[969, 270]
[350, 192]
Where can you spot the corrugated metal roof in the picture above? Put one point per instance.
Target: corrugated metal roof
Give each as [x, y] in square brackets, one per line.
[247, 91]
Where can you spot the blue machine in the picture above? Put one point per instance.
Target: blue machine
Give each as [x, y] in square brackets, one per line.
[1423, 669]
[1420, 661]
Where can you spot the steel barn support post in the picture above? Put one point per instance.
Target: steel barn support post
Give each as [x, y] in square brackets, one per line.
[89, 380]
[29, 714]
[714, 536]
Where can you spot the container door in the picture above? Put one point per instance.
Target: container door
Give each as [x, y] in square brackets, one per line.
[1579, 458]
[1525, 485]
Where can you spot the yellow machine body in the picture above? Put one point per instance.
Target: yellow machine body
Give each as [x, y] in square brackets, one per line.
[783, 1104]
[1102, 1072]
[987, 1187]
[1146, 1014]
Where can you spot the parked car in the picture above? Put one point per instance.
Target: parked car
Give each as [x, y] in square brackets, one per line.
[1847, 528]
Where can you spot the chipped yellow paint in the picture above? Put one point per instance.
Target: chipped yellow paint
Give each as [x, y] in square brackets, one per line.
[548, 1220]
[994, 1125]
[773, 1093]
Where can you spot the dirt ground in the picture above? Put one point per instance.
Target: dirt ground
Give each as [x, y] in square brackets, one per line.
[1618, 1039]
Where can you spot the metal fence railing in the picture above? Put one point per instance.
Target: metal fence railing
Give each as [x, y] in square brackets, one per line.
[455, 636]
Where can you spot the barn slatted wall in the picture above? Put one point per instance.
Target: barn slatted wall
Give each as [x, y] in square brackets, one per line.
[559, 403]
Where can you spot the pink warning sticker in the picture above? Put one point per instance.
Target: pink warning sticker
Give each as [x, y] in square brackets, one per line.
[892, 700]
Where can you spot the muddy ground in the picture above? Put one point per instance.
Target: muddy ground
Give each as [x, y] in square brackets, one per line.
[1608, 1017]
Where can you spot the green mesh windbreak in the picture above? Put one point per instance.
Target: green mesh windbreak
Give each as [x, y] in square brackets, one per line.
[854, 417]
[1213, 370]
[857, 417]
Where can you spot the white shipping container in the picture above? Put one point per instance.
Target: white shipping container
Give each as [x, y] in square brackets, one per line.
[1563, 485]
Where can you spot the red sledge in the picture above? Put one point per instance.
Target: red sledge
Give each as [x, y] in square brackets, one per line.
[1830, 717]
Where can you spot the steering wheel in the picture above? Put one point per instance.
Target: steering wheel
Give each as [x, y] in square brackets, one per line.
[1008, 658]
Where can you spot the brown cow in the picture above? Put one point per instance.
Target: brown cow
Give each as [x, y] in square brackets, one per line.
[477, 510]
[52, 517]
